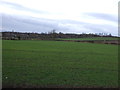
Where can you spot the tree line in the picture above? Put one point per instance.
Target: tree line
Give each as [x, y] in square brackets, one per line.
[48, 36]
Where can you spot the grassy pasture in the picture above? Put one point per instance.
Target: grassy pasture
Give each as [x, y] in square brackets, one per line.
[92, 38]
[57, 63]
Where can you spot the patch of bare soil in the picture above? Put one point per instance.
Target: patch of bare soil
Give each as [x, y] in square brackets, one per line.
[114, 42]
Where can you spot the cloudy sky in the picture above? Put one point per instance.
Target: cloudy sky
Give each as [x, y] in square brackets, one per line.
[67, 16]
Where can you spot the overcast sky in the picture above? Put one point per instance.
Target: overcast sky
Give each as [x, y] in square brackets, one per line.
[67, 16]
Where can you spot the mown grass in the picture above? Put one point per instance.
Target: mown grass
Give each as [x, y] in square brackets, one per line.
[57, 63]
[92, 38]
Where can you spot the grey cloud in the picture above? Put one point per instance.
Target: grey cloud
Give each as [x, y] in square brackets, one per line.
[93, 28]
[72, 21]
[103, 16]
[102, 28]
[30, 24]
[22, 8]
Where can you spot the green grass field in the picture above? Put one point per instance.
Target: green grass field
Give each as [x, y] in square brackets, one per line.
[92, 38]
[58, 63]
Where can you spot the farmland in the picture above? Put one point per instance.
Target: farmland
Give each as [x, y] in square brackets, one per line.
[91, 38]
[32, 63]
